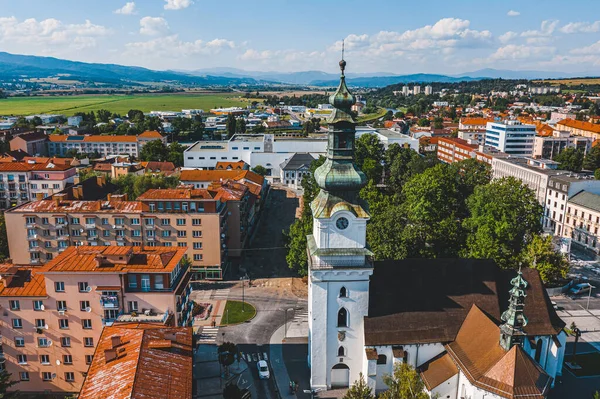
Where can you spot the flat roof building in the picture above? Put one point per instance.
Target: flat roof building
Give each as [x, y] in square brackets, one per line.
[511, 137]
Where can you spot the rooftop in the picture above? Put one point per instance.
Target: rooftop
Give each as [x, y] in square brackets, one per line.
[588, 126]
[33, 136]
[151, 134]
[586, 200]
[57, 204]
[134, 361]
[19, 281]
[115, 259]
[92, 139]
[297, 161]
[183, 193]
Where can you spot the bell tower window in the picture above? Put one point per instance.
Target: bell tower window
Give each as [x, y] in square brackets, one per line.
[343, 292]
[342, 320]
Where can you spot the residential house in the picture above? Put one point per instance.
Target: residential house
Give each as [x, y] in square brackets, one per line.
[293, 170]
[33, 143]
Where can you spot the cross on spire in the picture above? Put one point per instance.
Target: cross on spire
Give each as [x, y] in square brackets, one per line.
[342, 49]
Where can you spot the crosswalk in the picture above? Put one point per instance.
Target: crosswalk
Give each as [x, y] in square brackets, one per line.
[254, 357]
[208, 335]
[221, 294]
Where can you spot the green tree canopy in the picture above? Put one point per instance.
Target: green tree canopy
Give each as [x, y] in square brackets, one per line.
[404, 383]
[3, 238]
[155, 150]
[570, 159]
[504, 216]
[175, 153]
[230, 125]
[5, 384]
[261, 170]
[592, 159]
[368, 155]
[541, 255]
[359, 390]
[136, 185]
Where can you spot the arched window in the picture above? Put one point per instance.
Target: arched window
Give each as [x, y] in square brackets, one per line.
[343, 292]
[342, 318]
[382, 359]
[538, 350]
[341, 351]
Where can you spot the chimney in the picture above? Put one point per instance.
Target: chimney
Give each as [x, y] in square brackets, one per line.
[76, 179]
[101, 180]
[78, 192]
[58, 198]
[117, 197]
[109, 197]
[39, 196]
[110, 354]
[99, 260]
[116, 341]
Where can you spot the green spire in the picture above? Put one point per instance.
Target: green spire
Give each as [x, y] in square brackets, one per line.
[514, 318]
[339, 178]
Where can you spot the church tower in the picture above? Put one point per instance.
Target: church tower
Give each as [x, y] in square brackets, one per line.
[511, 331]
[339, 262]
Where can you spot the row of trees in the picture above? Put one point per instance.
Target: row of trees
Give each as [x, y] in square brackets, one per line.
[421, 208]
[157, 151]
[403, 383]
[574, 160]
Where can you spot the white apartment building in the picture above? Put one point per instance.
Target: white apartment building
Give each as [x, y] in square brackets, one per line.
[104, 145]
[549, 146]
[428, 90]
[511, 137]
[582, 220]
[416, 90]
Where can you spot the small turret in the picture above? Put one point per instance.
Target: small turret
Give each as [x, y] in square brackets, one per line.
[511, 331]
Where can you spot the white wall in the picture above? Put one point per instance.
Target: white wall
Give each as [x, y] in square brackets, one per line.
[447, 389]
[327, 235]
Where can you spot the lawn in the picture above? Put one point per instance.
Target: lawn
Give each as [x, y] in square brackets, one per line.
[589, 362]
[120, 104]
[233, 313]
[371, 117]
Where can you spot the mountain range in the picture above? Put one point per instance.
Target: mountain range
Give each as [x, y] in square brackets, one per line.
[18, 66]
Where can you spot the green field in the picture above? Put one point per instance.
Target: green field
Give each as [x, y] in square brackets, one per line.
[233, 313]
[120, 104]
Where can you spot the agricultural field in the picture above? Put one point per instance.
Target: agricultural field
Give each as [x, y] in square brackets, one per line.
[570, 82]
[120, 104]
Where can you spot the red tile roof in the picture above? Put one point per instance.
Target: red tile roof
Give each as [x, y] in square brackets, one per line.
[101, 206]
[151, 134]
[139, 259]
[135, 361]
[437, 370]
[239, 165]
[475, 121]
[587, 126]
[19, 281]
[175, 193]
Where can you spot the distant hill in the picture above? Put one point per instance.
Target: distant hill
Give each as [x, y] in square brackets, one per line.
[381, 81]
[508, 74]
[18, 66]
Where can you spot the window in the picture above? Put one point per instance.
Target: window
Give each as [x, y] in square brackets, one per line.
[132, 280]
[105, 233]
[38, 305]
[342, 320]
[538, 350]
[135, 221]
[70, 376]
[74, 220]
[132, 306]
[197, 256]
[145, 282]
[90, 220]
[44, 342]
[382, 359]
[84, 305]
[104, 221]
[47, 376]
[45, 359]
[181, 233]
[197, 233]
[180, 222]
[15, 305]
[149, 222]
[165, 222]
[40, 323]
[17, 323]
[136, 233]
[196, 222]
[61, 305]
[341, 351]
[86, 323]
[166, 233]
[197, 245]
[84, 287]
[24, 376]
[65, 342]
[88, 359]
[182, 244]
[343, 292]
[150, 233]
[158, 282]
[19, 342]
[22, 359]
[88, 342]
[67, 359]
[63, 324]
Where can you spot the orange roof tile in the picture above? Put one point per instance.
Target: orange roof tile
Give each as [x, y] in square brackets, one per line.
[239, 165]
[208, 175]
[587, 126]
[21, 281]
[438, 370]
[53, 205]
[99, 259]
[151, 134]
[175, 193]
[475, 121]
[134, 361]
[93, 139]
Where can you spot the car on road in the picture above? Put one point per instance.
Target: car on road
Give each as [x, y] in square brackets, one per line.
[263, 370]
[579, 289]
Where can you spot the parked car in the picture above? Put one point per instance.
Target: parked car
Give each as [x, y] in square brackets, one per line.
[263, 370]
[580, 289]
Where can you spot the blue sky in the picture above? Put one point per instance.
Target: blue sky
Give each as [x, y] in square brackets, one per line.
[395, 36]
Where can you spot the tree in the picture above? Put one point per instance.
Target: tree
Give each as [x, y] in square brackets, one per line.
[174, 153]
[504, 216]
[155, 150]
[5, 384]
[570, 159]
[592, 159]
[404, 383]
[369, 147]
[472, 173]
[359, 390]
[135, 115]
[3, 239]
[240, 125]
[227, 352]
[438, 123]
[424, 122]
[540, 254]
[597, 174]
[231, 124]
[136, 185]
[261, 170]
[103, 115]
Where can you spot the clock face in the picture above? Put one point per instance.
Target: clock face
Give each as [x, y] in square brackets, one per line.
[341, 223]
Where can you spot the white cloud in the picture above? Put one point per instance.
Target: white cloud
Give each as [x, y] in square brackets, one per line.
[523, 52]
[172, 46]
[581, 27]
[153, 26]
[127, 9]
[547, 28]
[591, 49]
[513, 13]
[177, 4]
[508, 36]
[50, 32]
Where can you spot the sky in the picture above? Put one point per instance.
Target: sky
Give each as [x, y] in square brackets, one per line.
[395, 36]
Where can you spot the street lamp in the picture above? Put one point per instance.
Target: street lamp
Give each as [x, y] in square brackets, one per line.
[243, 279]
[591, 287]
[285, 322]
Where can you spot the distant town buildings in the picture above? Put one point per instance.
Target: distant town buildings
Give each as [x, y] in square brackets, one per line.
[103, 145]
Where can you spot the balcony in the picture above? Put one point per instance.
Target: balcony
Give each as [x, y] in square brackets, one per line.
[151, 238]
[34, 261]
[118, 226]
[110, 321]
[32, 237]
[34, 249]
[63, 237]
[144, 316]
[150, 226]
[92, 238]
[109, 301]
[61, 225]
[31, 225]
[90, 226]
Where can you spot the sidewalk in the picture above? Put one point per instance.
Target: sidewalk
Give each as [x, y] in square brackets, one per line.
[282, 378]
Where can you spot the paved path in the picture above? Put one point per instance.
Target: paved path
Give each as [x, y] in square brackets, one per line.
[588, 321]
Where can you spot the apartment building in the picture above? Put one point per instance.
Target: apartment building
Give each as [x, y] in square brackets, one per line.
[33, 143]
[549, 146]
[580, 128]
[104, 145]
[39, 231]
[124, 364]
[30, 180]
[511, 137]
[451, 150]
[55, 314]
[583, 220]
[561, 187]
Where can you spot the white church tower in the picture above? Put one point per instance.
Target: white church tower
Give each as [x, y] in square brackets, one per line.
[339, 263]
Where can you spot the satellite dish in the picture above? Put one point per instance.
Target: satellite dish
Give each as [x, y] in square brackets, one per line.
[45, 326]
[57, 362]
[88, 288]
[88, 309]
[42, 307]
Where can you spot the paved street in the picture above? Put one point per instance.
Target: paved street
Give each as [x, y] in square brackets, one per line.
[576, 310]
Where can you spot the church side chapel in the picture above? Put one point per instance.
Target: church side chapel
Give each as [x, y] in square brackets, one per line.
[470, 329]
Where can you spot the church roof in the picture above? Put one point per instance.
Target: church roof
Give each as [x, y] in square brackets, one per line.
[297, 161]
[510, 374]
[427, 300]
[437, 370]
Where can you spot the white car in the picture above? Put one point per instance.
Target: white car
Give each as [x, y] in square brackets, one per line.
[263, 370]
[580, 289]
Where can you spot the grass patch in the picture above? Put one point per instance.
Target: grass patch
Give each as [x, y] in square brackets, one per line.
[372, 117]
[589, 362]
[233, 313]
[120, 104]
